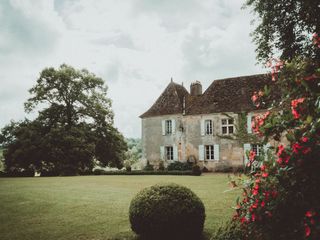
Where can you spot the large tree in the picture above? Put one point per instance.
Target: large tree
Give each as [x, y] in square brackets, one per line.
[74, 128]
[285, 27]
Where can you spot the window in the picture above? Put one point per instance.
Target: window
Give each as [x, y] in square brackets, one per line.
[168, 127]
[169, 153]
[208, 127]
[257, 148]
[227, 125]
[209, 152]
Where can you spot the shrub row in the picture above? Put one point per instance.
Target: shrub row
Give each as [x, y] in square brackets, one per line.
[17, 174]
[138, 172]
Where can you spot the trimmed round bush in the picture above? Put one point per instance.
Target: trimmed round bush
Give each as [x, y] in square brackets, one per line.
[167, 211]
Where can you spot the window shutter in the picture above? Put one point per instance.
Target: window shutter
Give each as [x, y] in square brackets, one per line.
[163, 127]
[175, 153]
[162, 152]
[173, 126]
[249, 119]
[212, 127]
[202, 127]
[266, 147]
[201, 152]
[246, 148]
[216, 152]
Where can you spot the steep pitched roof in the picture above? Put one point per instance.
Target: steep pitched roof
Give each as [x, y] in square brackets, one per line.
[229, 95]
[224, 95]
[169, 102]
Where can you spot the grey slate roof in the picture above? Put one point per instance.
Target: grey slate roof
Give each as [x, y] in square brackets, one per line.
[224, 95]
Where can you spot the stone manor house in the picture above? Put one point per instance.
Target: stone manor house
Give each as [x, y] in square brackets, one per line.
[194, 126]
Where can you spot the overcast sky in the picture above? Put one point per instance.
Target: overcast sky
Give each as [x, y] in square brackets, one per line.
[136, 46]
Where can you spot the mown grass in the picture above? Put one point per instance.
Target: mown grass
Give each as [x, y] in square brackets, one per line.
[94, 207]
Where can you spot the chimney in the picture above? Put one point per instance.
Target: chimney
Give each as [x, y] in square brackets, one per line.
[196, 88]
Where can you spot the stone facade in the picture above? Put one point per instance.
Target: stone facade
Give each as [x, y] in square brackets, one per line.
[176, 134]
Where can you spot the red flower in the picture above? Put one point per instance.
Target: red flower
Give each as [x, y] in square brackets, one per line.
[280, 150]
[253, 217]
[263, 204]
[307, 230]
[304, 139]
[263, 167]
[309, 214]
[252, 155]
[306, 150]
[254, 97]
[243, 220]
[280, 161]
[255, 205]
[265, 174]
[295, 102]
[296, 148]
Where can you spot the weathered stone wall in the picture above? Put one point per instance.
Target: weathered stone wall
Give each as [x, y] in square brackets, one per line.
[187, 138]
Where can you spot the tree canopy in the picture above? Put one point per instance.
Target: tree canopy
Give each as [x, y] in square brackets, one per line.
[285, 28]
[74, 128]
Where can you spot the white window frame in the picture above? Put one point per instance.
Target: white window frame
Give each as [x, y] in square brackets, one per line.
[208, 125]
[168, 127]
[225, 123]
[169, 153]
[209, 152]
[257, 148]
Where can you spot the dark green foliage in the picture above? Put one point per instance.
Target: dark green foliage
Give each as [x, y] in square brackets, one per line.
[143, 172]
[285, 27]
[231, 230]
[167, 211]
[128, 168]
[179, 166]
[46, 173]
[148, 167]
[161, 166]
[205, 170]
[16, 173]
[196, 170]
[72, 131]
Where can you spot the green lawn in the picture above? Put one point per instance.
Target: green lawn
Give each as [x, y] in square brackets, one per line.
[94, 207]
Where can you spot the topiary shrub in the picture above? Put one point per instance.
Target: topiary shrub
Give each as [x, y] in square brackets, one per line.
[196, 170]
[179, 166]
[167, 211]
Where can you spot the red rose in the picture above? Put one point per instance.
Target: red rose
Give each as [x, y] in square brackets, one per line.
[309, 214]
[307, 230]
[306, 150]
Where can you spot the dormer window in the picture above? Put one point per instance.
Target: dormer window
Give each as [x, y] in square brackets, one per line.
[168, 127]
[208, 127]
[227, 126]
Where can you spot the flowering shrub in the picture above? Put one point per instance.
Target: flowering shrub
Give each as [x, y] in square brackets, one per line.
[281, 197]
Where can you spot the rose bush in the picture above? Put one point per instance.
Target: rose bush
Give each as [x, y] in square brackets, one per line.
[281, 197]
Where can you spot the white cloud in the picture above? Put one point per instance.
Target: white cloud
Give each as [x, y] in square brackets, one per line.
[136, 46]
